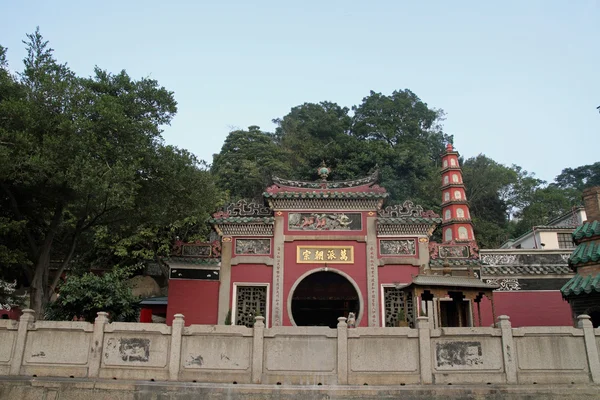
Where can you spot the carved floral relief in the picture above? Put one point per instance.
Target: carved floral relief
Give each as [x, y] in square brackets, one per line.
[325, 221]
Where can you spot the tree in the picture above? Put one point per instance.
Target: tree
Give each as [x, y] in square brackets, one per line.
[488, 186]
[247, 161]
[86, 295]
[579, 178]
[85, 160]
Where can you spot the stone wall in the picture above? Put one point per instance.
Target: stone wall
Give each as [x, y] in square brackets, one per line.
[300, 356]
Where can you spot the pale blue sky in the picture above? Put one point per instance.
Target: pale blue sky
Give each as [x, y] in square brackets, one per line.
[519, 80]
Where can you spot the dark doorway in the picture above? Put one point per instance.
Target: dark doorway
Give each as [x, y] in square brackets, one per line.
[454, 313]
[321, 298]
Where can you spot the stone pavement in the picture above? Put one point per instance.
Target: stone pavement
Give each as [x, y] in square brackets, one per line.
[27, 388]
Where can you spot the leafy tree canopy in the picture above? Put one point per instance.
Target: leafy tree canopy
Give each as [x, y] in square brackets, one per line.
[85, 171]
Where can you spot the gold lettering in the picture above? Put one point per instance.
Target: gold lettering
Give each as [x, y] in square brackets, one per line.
[343, 255]
[319, 255]
[306, 255]
[331, 254]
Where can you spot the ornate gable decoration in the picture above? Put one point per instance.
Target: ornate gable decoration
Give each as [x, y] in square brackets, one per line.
[323, 184]
[244, 209]
[407, 209]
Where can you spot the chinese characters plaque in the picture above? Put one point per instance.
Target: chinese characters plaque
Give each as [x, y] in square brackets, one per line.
[325, 255]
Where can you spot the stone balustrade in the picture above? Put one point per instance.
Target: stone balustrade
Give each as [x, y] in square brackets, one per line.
[300, 355]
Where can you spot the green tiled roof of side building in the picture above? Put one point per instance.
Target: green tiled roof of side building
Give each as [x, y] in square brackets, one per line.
[581, 284]
[587, 230]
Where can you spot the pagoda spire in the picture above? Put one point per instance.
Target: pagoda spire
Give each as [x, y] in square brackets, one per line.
[456, 225]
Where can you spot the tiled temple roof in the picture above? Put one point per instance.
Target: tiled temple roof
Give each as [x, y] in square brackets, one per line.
[409, 220]
[586, 252]
[241, 220]
[459, 262]
[581, 284]
[506, 270]
[325, 194]
[586, 231]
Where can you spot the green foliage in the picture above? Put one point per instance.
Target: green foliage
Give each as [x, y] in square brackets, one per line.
[86, 295]
[228, 318]
[85, 177]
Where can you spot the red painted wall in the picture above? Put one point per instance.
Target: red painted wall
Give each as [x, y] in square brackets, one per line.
[535, 308]
[197, 300]
[357, 271]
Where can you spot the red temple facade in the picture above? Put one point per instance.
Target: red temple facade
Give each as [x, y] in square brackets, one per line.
[316, 251]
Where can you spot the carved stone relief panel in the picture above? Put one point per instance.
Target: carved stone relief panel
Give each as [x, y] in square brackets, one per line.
[400, 247]
[453, 252]
[325, 221]
[253, 246]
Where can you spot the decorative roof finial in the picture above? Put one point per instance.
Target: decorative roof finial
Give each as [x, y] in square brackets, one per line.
[324, 171]
[449, 147]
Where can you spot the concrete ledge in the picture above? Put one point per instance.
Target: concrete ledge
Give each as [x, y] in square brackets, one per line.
[21, 388]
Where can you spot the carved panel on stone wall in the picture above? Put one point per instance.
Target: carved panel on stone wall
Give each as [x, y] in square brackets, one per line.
[325, 222]
[400, 247]
[506, 285]
[453, 251]
[204, 250]
[450, 354]
[253, 246]
[250, 300]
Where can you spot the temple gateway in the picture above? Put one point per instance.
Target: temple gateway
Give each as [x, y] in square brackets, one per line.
[316, 251]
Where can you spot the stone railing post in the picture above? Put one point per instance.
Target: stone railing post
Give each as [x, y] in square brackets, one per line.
[175, 354]
[342, 351]
[27, 318]
[258, 349]
[425, 350]
[508, 349]
[95, 358]
[584, 322]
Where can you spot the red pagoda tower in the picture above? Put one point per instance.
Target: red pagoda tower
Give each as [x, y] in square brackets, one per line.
[456, 225]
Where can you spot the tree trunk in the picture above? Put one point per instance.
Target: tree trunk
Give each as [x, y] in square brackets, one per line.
[39, 285]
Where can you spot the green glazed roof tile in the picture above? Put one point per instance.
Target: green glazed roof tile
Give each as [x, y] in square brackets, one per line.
[440, 262]
[581, 284]
[194, 260]
[408, 220]
[586, 252]
[241, 220]
[324, 195]
[587, 230]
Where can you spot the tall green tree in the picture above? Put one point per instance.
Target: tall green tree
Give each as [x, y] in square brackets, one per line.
[247, 161]
[84, 157]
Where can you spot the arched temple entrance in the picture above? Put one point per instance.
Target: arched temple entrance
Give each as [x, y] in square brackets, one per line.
[321, 297]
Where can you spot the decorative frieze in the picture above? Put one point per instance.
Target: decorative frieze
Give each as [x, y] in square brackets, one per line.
[253, 246]
[244, 208]
[399, 247]
[325, 222]
[506, 285]
[406, 209]
[498, 259]
[246, 229]
[325, 203]
[403, 230]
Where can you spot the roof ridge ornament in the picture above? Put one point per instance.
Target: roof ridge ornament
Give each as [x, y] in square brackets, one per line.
[243, 208]
[324, 171]
[406, 209]
[368, 180]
